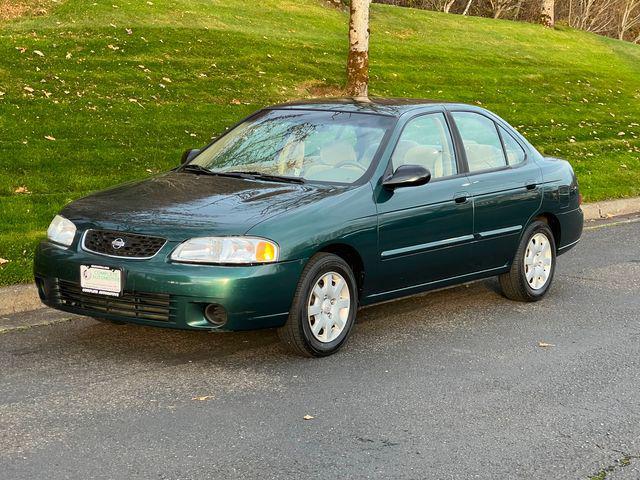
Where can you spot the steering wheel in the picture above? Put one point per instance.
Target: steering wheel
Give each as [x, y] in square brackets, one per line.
[350, 163]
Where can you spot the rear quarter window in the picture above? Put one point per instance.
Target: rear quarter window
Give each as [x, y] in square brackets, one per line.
[515, 152]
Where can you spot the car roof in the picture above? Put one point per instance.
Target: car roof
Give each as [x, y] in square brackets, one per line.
[382, 106]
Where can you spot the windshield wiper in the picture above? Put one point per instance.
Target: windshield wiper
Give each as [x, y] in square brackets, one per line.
[192, 167]
[273, 178]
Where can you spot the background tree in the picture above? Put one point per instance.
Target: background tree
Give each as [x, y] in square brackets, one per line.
[358, 59]
[613, 18]
[547, 17]
[629, 18]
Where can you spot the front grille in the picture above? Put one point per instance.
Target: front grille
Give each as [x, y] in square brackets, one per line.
[120, 244]
[144, 306]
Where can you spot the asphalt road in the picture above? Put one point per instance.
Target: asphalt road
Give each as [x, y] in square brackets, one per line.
[449, 385]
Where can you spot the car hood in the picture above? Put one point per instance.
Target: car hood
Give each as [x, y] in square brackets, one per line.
[180, 205]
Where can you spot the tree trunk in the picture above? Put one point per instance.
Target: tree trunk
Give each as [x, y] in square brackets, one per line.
[466, 9]
[358, 60]
[547, 17]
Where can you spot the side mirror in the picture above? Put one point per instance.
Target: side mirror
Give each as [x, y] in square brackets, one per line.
[407, 176]
[188, 155]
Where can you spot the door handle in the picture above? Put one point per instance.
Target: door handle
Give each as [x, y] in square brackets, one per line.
[530, 184]
[461, 197]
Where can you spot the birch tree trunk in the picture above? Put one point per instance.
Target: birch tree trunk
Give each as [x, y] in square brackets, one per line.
[358, 59]
[467, 8]
[547, 17]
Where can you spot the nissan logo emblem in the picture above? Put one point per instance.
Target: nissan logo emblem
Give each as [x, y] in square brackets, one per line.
[118, 243]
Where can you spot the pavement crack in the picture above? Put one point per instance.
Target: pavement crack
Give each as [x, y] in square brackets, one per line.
[624, 461]
[22, 327]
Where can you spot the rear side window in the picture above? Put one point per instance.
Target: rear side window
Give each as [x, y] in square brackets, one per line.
[515, 153]
[481, 141]
[426, 141]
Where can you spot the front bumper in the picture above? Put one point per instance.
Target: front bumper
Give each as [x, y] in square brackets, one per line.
[253, 297]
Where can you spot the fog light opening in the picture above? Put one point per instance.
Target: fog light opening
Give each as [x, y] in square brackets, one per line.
[215, 315]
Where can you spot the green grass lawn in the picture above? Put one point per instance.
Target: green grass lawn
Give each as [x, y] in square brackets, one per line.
[120, 88]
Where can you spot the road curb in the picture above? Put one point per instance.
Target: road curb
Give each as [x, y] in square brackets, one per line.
[23, 298]
[19, 298]
[611, 208]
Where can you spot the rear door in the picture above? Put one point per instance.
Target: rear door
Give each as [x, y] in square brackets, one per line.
[425, 232]
[504, 183]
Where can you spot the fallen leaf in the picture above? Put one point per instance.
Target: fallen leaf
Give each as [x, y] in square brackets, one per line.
[129, 31]
[21, 49]
[39, 53]
[166, 79]
[49, 137]
[203, 398]
[68, 55]
[3, 261]
[545, 345]
[21, 189]
[308, 417]
[28, 89]
[235, 101]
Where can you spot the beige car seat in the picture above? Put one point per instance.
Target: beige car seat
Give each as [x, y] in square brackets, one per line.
[427, 157]
[483, 157]
[332, 155]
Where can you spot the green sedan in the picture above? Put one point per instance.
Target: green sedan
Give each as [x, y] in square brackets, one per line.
[303, 212]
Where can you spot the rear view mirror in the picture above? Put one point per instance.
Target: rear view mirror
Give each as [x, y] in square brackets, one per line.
[188, 155]
[407, 176]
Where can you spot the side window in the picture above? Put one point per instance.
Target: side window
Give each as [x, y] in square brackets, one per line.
[515, 153]
[481, 141]
[426, 141]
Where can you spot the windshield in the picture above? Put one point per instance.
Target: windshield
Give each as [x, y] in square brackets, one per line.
[303, 144]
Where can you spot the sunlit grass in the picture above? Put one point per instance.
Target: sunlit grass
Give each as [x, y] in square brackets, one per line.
[121, 88]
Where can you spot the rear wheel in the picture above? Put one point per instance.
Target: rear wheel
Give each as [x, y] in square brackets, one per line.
[323, 309]
[533, 267]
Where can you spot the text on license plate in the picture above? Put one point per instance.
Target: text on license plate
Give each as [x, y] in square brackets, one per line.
[101, 280]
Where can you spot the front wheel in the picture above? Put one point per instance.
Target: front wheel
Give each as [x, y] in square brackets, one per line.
[323, 309]
[533, 266]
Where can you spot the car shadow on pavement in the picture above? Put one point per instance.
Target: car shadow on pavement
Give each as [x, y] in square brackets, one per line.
[150, 344]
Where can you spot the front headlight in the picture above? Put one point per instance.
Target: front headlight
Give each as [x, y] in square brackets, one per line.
[221, 250]
[61, 231]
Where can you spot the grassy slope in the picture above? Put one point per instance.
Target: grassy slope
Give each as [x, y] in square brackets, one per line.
[570, 92]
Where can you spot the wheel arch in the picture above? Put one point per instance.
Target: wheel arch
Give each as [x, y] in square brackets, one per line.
[350, 255]
[554, 224]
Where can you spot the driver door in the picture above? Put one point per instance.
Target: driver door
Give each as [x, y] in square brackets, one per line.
[425, 232]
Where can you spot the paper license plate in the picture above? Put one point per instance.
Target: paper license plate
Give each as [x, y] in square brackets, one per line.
[101, 280]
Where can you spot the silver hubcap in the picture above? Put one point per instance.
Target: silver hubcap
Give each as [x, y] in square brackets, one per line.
[328, 307]
[537, 261]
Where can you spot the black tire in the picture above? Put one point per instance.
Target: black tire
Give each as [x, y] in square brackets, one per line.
[296, 334]
[514, 283]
